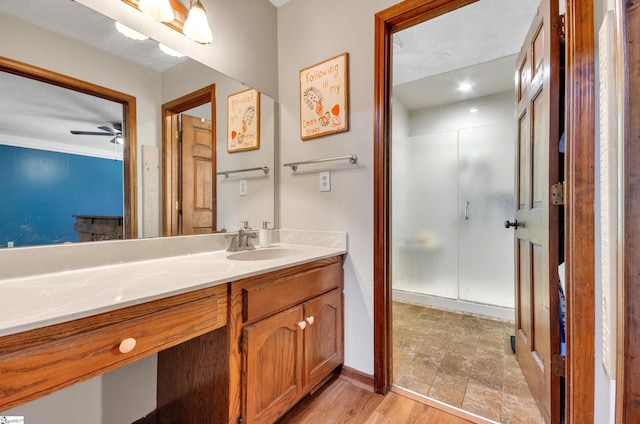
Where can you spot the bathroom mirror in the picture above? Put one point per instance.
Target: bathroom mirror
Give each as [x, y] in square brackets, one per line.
[55, 27]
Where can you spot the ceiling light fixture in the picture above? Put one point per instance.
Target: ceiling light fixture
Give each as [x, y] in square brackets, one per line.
[160, 10]
[196, 26]
[131, 33]
[465, 86]
[168, 50]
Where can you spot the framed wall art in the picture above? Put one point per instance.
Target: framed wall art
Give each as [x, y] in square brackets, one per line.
[324, 94]
[243, 121]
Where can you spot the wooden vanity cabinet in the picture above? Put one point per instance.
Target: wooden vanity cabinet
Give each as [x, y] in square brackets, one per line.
[37, 362]
[291, 337]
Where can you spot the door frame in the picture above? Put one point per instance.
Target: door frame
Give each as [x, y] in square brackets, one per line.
[171, 156]
[128, 102]
[628, 300]
[579, 187]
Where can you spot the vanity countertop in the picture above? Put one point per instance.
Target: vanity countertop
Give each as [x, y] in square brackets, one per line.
[35, 301]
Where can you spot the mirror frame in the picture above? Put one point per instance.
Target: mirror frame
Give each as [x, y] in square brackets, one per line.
[128, 103]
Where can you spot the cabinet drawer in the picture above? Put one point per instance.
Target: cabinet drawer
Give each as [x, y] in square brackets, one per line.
[267, 298]
[57, 356]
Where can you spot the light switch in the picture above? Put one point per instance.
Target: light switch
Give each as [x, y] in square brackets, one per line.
[243, 187]
[325, 181]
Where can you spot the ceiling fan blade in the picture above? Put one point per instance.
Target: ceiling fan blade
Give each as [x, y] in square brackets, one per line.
[109, 130]
[90, 133]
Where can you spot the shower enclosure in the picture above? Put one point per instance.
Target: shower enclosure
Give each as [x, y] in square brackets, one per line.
[451, 193]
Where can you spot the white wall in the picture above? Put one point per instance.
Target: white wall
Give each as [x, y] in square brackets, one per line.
[309, 32]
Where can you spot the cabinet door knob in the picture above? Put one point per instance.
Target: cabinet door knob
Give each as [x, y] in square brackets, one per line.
[302, 325]
[310, 320]
[127, 345]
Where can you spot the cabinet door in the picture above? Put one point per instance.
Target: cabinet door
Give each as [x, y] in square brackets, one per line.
[323, 336]
[273, 366]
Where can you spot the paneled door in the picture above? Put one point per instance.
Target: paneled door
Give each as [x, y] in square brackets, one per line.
[197, 175]
[536, 219]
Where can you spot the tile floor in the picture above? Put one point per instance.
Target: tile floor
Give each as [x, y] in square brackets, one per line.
[462, 360]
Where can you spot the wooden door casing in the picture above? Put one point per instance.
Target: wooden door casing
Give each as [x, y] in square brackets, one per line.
[171, 158]
[579, 217]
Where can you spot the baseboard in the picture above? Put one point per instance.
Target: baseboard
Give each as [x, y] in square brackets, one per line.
[491, 311]
[359, 378]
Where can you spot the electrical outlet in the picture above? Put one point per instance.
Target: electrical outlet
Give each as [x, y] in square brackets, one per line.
[325, 181]
[243, 187]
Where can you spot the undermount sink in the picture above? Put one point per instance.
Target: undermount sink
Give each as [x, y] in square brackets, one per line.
[263, 254]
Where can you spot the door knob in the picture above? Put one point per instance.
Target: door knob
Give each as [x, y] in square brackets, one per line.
[513, 224]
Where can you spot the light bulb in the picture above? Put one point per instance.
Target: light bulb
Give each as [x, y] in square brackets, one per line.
[196, 26]
[160, 10]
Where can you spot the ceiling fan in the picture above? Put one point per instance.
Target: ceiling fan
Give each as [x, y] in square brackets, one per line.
[115, 131]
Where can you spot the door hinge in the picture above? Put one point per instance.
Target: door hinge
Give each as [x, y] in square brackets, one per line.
[558, 25]
[239, 419]
[178, 205]
[241, 344]
[557, 194]
[558, 364]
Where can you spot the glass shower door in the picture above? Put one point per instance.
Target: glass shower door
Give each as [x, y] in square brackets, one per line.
[425, 226]
[485, 202]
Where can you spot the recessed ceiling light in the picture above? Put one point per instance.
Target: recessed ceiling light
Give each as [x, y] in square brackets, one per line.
[168, 50]
[465, 86]
[128, 32]
[473, 110]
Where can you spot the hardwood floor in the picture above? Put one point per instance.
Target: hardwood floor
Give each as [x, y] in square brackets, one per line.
[341, 401]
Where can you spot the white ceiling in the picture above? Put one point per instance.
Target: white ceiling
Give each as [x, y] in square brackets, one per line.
[477, 44]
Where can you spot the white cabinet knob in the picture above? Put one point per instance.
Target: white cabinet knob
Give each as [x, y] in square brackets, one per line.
[310, 320]
[127, 345]
[302, 325]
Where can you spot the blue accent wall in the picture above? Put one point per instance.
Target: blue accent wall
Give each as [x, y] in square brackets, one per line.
[41, 190]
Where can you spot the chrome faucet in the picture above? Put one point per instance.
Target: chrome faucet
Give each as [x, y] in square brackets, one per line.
[242, 240]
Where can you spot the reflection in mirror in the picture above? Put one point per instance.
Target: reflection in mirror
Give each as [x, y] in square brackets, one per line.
[77, 42]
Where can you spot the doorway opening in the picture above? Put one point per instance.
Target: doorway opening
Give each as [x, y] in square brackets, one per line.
[397, 18]
[126, 130]
[189, 164]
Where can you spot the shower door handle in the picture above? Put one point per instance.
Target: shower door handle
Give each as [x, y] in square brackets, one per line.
[466, 210]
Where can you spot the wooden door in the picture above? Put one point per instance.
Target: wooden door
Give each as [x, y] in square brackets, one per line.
[537, 230]
[323, 336]
[272, 364]
[197, 176]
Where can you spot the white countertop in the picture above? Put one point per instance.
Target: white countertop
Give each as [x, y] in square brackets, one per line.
[34, 301]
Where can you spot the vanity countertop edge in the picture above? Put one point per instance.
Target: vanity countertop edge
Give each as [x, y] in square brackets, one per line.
[34, 301]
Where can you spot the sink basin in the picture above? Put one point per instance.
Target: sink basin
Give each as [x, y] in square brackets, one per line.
[263, 254]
